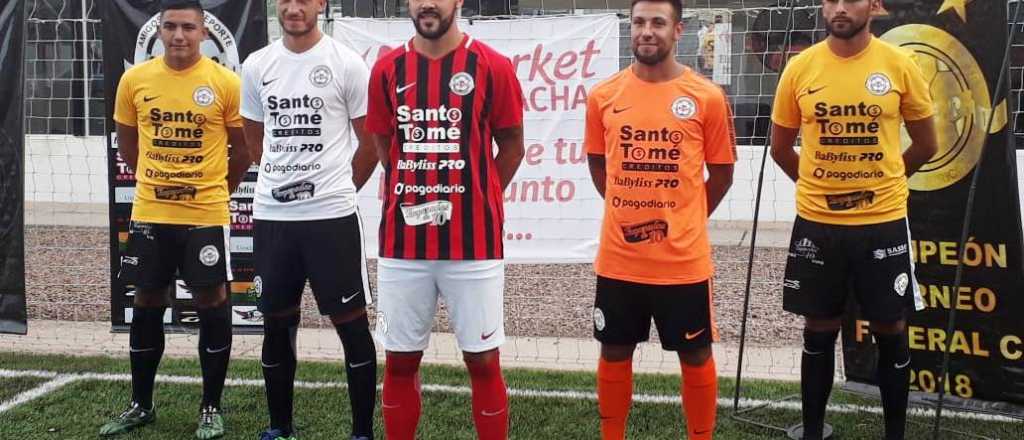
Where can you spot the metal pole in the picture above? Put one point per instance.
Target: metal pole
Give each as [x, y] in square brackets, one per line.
[958, 279]
[85, 64]
[786, 46]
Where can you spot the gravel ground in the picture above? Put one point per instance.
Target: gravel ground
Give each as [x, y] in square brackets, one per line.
[68, 279]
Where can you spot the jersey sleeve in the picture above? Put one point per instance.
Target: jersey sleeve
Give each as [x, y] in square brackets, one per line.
[125, 112]
[593, 135]
[507, 110]
[916, 100]
[719, 132]
[785, 109]
[380, 116]
[232, 97]
[355, 88]
[252, 106]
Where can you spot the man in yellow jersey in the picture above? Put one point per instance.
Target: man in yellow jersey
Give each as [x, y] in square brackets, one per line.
[847, 96]
[651, 130]
[176, 115]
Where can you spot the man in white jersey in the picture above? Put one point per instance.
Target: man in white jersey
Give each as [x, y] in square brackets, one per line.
[303, 97]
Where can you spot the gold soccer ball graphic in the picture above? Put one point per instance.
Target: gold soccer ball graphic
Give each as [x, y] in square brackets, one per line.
[962, 104]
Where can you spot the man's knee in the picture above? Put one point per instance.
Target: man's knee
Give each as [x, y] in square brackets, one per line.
[823, 324]
[617, 353]
[207, 297]
[347, 316]
[151, 297]
[695, 357]
[889, 328]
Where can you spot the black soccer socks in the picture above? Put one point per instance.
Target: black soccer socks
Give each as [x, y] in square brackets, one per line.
[214, 350]
[894, 381]
[361, 372]
[146, 346]
[817, 370]
[279, 362]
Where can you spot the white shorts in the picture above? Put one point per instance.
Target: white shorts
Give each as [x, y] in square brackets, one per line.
[407, 295]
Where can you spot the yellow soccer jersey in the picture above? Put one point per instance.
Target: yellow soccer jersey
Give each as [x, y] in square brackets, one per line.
[849, 111]
[182, 118]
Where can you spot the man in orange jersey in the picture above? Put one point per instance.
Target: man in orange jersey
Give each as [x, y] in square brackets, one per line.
[851, 234]
[651, 129]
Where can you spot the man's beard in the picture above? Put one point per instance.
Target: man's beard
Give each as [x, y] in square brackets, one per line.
[854, 30]
[655, 58]
[444, 23]
[304, 31]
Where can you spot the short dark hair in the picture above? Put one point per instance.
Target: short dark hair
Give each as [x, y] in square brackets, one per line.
[677, 7]
[166, 5]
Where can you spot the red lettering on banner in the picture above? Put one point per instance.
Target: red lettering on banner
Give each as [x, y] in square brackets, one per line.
[567, 64]
[575, 155]
[556, 98]
[533, 153]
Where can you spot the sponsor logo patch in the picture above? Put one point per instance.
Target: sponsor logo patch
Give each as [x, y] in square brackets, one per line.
[653, 231]
[295, 191]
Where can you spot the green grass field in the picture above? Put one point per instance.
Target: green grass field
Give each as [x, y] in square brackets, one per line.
[75, 410]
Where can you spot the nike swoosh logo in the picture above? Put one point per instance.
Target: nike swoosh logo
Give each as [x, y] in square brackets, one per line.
[488, 335]
[149, 98]
[208, 350]
[900, 367]
[404, 88]
[386, 406]
[271, 365]
[813, 353]
[813, 91]
[486, 413]
[701, 432]
[265, 83]
[361, 364]
[140, 350]
[620, 110]
[694, 335]
[346, 299]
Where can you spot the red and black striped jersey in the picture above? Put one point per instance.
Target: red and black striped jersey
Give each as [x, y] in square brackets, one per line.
[443, 195]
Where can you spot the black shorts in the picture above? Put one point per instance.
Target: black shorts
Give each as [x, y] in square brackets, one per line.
[327, 252]
[827, 263]
[681, 312]
[157, 252]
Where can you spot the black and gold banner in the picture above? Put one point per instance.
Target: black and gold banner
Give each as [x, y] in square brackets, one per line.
[959, 45]
[12, 178]
[131, 36]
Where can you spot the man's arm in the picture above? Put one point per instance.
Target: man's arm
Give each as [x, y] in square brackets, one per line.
[364, 161]
[381, 143]
[718, 183]
[128, 144]
[597, 172]
[923, 144]
[783, 152]
[253, 139]
[510, 153]
[239, 160]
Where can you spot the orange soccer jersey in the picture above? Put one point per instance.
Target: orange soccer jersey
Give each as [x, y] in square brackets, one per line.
[656, 138]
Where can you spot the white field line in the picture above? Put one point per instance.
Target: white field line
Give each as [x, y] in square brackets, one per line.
[59, 380]
[37, 392]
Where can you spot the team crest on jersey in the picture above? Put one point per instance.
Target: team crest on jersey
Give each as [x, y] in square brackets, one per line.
[203, 96]
[220, 47]
[878, 84]
[684, 107]
[461, 84]
[901, 283]
[320, 76]
[209, 255]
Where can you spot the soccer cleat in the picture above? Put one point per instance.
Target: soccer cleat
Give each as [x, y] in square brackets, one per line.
[132, 417]
[211, 424]
[276, 434]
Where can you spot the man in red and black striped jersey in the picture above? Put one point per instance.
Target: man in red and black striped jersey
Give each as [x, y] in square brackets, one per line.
[435, 104]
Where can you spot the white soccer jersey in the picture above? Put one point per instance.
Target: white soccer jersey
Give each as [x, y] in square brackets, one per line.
[306, 102]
